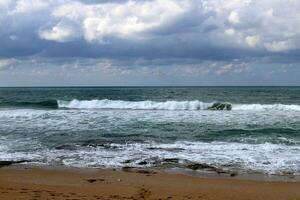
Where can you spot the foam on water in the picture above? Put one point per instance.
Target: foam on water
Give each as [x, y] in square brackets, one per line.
[265, 158]
[170, 105]
[160, 129]
[135, 105]
[259, 107]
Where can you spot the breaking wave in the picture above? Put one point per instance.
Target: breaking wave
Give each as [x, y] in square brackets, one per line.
[148, 105]
[144, 105]
[171, 105]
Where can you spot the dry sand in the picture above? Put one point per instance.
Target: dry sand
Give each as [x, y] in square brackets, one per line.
[31, 183]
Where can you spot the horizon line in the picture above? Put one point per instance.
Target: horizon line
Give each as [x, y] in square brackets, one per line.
[99, 86]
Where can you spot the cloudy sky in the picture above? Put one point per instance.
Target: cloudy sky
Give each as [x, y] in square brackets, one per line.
[149, 42]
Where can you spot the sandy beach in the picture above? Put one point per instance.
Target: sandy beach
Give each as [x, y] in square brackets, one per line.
[26, 182]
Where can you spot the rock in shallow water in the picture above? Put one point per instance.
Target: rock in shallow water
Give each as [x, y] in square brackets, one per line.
[7, 163]
[221, 106]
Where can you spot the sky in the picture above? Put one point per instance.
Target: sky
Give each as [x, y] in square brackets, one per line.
[149, 42]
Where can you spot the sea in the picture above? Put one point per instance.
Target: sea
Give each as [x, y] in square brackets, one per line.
[243, 129]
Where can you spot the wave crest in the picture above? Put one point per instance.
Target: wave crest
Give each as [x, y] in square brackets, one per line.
[136, 105]
[171, 105]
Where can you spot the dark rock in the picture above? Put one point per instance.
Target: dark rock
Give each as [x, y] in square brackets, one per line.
[207, 167]
[144, 171]
[7, 163]
[94, 180]
[136, 170]
[232, 174]
[171, 160]
[127, 169]
[127, 161]
[144, 162]
[197, 166]
[91, 180]
[204, 166]
[221, 106]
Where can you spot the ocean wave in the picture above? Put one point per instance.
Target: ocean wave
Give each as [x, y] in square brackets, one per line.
[171, 105]
[144, 105]
[148, 105]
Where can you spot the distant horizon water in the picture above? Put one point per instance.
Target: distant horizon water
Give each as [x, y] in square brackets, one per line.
[146, 86]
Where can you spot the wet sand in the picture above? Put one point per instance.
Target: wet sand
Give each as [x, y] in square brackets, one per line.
[32, 183]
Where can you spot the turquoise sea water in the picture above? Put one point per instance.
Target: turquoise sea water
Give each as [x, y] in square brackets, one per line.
[249, 129]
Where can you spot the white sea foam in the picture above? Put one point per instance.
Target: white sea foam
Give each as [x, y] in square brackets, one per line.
[265, 158]
[135, 105]
[259, 107]
[28, 130]
[167, 105]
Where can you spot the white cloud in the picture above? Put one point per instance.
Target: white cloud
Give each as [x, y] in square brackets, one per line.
[224, 69]
[232, 68]
[254, 22]
[4, 63]
[234, 17]
[133, 18]
[252, 40]
[5, 3]
[59, 33]
[270, 12]
[230, 31]
[279, 46]
[266, 25]
[28, 6]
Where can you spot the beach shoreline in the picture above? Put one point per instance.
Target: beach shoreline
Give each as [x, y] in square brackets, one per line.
[36, 182]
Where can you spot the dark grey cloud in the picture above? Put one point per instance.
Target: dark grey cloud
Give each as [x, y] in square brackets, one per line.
[152, 33]
[191, 28]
